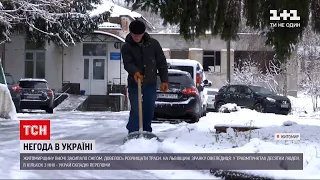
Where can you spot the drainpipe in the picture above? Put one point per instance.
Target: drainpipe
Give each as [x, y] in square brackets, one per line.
[228, 63]
[120, 69]
[62, 61]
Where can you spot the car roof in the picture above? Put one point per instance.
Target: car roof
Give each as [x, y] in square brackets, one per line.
[176, 71]
[33, 79]
[186, 62]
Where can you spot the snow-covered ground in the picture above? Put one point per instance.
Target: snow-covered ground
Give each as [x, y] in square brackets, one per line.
[108, 129]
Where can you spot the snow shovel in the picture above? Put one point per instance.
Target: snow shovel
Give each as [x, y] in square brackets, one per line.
[140, 133]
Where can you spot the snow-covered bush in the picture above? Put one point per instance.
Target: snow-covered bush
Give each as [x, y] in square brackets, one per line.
[248, 73]
[311, 86]
[309, 56]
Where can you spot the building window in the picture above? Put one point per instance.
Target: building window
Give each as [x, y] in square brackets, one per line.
[35, 64]
[94, 49]
[179, 54]
[212, 61]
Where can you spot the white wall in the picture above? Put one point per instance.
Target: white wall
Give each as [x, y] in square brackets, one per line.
[114, 67]
[14, 57]
[53, 66]
[15, 61]
[73, 67]
[176, 41]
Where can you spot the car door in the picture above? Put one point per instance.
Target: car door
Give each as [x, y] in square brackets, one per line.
[245, 97]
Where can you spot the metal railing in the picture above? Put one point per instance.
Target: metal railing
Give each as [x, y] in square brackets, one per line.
[62, 91]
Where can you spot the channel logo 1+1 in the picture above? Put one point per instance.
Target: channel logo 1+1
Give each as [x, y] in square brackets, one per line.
[34, 129]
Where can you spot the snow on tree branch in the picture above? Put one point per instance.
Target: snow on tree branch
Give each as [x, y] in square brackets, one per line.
[248, 72]
[309, 56]
[61, 21]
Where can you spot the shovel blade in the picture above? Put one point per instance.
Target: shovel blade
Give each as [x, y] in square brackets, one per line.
[138, 135]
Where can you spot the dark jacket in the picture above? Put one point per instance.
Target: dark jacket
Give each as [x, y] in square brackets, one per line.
[146, 58]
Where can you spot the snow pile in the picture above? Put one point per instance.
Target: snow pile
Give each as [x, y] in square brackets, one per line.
[7, 107]
[202, 138]
[230, 107]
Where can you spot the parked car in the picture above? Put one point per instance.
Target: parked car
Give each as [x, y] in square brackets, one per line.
[197, 74]
[211, 98]
[36, 94]
[14, 90]
[181, 101]
[253, 97]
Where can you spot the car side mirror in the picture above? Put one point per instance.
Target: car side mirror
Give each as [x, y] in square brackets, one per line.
[206, 83]
[200, 88]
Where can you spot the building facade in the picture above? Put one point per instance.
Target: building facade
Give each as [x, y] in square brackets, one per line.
[95, 64]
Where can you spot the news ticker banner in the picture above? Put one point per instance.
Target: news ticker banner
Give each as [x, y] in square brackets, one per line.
[161, 161]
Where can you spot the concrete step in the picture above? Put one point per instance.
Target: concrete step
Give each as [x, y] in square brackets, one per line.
[98, 109]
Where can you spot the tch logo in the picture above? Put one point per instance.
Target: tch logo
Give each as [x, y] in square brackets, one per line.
[34, 129]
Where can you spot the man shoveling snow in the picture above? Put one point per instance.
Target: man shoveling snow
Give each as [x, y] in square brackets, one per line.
[142, 58]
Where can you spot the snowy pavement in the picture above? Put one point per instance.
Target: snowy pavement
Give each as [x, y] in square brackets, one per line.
[108, 129]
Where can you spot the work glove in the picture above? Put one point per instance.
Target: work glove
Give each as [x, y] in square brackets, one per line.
[164, 87]
[137, 76]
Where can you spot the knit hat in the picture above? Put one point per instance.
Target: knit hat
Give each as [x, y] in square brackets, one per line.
[137, 27]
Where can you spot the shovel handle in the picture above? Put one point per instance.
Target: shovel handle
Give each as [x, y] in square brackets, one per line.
[140, 105]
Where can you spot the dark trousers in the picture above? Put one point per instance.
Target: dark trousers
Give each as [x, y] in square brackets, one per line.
[149, 97]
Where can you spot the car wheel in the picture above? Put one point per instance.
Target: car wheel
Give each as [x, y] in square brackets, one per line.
[218, 106]
[286, 113]
[205, 110]
[259, 108]
[205, 113]
[18, 110]
[49, 110]
[194, 119]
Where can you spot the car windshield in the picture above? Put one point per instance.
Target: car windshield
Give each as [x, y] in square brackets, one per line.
[261, 90]
[188, 69]
[178, 79]
[32, 84]
[210, 92]
[9, 80]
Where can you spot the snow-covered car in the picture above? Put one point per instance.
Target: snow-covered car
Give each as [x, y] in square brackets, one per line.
[181, 101]
[211, 93]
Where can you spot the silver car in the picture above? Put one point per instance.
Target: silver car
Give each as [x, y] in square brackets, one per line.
[211, 98]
